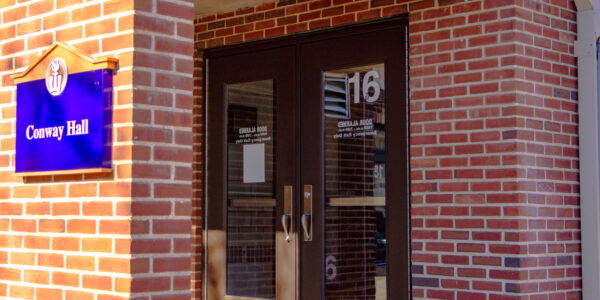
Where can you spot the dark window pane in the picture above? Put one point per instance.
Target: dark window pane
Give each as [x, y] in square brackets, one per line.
[355, 239]
[251, 190]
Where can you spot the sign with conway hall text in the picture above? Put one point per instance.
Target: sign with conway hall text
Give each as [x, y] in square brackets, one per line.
[64, 113]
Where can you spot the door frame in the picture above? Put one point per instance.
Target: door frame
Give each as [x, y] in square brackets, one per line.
[399, 264]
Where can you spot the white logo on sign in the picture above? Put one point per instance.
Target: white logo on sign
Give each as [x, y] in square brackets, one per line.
[56, 76]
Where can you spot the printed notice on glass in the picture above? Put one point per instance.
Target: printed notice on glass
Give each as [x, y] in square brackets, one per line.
[255, 134]
[354, 128]
[254, 163]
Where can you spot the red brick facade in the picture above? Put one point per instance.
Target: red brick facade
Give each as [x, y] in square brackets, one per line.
[494, 149]
[125, 235]
[494, 146]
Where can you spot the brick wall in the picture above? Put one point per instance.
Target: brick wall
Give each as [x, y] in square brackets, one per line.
[494, 151]
[117, 236]
[494, 162]
[162, 155]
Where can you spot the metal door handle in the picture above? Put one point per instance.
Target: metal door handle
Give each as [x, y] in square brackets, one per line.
[306, 218]
[285, 219]
[306, 226]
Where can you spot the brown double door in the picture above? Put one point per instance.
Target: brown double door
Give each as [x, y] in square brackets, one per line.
[307, 167]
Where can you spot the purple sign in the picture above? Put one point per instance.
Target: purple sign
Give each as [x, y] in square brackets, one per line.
[63, 123]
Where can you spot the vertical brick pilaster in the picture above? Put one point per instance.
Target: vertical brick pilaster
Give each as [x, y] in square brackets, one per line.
[117, 236]
[494, 151]
[162, 131]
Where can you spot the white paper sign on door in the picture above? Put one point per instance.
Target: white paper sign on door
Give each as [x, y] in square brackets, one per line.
[254, 163]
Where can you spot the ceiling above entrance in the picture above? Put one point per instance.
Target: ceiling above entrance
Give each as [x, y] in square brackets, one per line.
[208, 7]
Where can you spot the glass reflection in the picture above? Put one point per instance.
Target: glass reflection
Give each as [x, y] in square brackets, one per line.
[251, 190]
[355, 238]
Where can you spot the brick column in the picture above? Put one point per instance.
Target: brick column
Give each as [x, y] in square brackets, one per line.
[162, 142]
[494, 151]
[118, 236]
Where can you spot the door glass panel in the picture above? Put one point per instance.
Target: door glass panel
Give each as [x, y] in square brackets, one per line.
[251, 207]
[355, 233]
